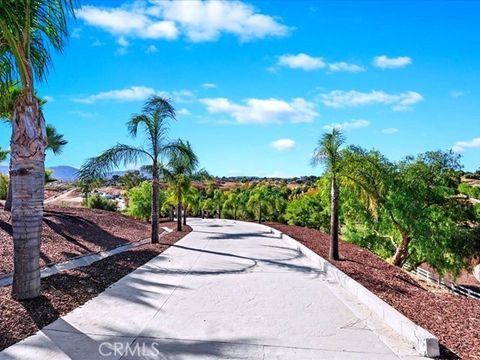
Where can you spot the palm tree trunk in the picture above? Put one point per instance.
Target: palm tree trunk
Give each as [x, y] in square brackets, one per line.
[260, 213]
[185, 216]
[219, 211]
[334, 221]
[234, 213]
[179, 215]
[171, 213]
[27, 177]
[155, 203]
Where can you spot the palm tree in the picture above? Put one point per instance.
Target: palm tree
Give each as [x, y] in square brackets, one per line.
[232, 202]
[179, 172]
[28, 30]
[3, 154]
[154, 118]
[328, 153]
[55, 144]
[219, 199]
[259, 198]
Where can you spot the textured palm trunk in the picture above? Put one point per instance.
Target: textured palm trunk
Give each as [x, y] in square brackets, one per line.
[401, 253]
[185, 216]
[171, 213]
[334, 221]
[155, 203]
[27, 178]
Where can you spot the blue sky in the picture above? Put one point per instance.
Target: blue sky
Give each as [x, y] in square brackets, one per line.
[256, 83]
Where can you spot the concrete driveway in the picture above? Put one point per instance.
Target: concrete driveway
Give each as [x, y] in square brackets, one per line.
[228, 290]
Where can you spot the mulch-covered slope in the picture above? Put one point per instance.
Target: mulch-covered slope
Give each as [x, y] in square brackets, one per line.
[454, 319]
[69, 232]
[66, 291]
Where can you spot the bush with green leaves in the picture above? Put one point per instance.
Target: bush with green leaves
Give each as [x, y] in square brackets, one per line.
[469, 190]
[3, 186]
[308, 211]
[99, 202]
[140, 201]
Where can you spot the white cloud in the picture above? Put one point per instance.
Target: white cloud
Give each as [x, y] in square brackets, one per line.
[183, 112]
[283, 144]
[348, 125]
[264, 111]
[122, 41]
[151, 49]
[197, 20]
[384, 62]
[390, 130]
[461, 146]
[84, 114]
[137, 93]
[124, 21]
[301, 61]
[399, 102]
[209, 85]
[179, 96]
[344, 66]
[133, 93]
[456, 94]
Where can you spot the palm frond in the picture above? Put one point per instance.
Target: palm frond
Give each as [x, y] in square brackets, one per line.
[55, 141]
[102, 165]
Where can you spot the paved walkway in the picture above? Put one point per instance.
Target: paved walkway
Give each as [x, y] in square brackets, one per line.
[226, 291]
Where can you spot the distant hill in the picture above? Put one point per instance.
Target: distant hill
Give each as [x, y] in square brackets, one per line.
[64, 173]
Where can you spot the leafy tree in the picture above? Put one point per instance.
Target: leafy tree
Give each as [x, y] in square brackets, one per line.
[140, 201]
[48, 176]
[232, 203]
[157, 111]
[309, 211]
[328, 153]
[3, 186]
[99, 202]
[29, 29]
[260, 200]
[192, 203]
[131, 179]
[469, 190]
[407, 209]
[208, 207]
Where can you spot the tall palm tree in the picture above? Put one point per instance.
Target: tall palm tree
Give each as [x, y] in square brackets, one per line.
[153, 120]
[3, 154]
[29, 29]
[55, 144]
[219, 199]
[260, 198]
[328, 153]
[179, 173]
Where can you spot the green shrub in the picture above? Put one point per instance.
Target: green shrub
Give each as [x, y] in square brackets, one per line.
[469, 190]
[99, 202]
[3, 186]
[140, 201]
[308, 211]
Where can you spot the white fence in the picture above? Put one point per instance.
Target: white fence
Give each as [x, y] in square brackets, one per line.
[459, 289]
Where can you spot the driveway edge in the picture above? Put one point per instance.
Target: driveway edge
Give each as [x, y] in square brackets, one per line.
[422, 340]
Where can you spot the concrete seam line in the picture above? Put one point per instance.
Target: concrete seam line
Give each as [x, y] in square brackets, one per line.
[421, 339]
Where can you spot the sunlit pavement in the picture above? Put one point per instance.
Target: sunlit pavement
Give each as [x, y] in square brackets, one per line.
[228, 290]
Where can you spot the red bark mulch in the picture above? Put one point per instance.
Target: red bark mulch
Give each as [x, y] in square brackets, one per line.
[61, 293]
[454, 319]
[70, 232]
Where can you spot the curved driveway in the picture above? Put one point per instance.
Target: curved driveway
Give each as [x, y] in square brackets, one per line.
[228, 290]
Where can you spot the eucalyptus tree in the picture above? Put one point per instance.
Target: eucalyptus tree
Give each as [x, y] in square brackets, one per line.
[29, 30]
[153, 121]
[328, 153]
[179, 172]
